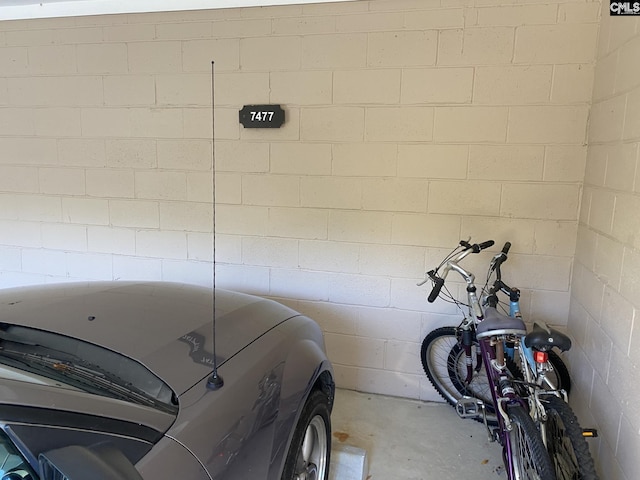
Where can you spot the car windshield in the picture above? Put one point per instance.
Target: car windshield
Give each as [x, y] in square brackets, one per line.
[80, 365]
[12, 463]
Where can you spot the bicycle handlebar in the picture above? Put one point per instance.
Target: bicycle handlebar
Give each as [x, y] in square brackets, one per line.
[438, 281]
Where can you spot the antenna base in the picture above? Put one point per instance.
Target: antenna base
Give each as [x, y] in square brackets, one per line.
[215, 382]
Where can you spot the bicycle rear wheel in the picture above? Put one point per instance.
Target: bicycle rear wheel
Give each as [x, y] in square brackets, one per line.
[567, 447]
[529, 456]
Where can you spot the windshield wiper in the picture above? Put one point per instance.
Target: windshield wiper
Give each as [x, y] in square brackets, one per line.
[82, 374]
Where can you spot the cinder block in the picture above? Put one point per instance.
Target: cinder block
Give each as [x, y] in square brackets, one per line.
[476, 46]
[270, 252]
[82, 152]
[17, 121]
[298, 223]
[154, 57]
[370, 22]
[304, 25]
[183, 89]
[572, 83]
[392, 261]
[65, 91]
[272, 190]
[329, 256]
[131, 153]
[106, 122]
[333, 124]
[200, 247]
[355, 351]
[344, 50]
[136, 268]
[161, 244]
[242, 156]
[543, 201]
[399, 124]
[631, 121]
[88, 211]
[36, 208]
[360, 226]
[603, 212]
[197, 55]
[183, 30]
[242, 219]
[470, 124]
[10, 259]
[517, 15]
[606, 120]
[562, 43]
[257, 53]
[425, 230]
[436, 18]
[330, 192]
[232, 88]
[249, 27]
[64, 237]
[161, 185]
[52, 60]
[18, 179]
[395, 194]
[14, 60]
[366, 86]
[110, 183]
[301, 87]
[506, 162]
[57, 122]
[548, 124]
[298, 284]
[301, 158]
[156, 122]
[137, 214]
[565, 163]
[402, 49]
[433, 161]
[63, 181]
[91, 266]
[20, 233]
[186, 216]
[28, 151]
[464, 198]
[437, 85]
[46, 262]
[364, 159]
[129, 33]
[626, 223]
[512, 84]
[108, 58]
[106, 239]
[184, 154]
[555, 238]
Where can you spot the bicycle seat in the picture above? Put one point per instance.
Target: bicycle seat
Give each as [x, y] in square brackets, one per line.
[495, 323]
[544, 338]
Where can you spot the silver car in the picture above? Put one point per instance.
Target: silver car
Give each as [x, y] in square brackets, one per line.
[109, 380]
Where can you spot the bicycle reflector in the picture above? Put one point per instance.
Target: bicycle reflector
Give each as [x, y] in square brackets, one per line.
[541, 357]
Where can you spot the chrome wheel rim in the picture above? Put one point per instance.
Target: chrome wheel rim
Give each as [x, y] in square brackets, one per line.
[312, 456]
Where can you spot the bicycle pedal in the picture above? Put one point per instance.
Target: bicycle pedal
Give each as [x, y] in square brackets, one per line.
[589, 432]
[470, 407]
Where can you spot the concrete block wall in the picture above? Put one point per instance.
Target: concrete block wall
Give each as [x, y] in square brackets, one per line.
[410, 124]
[604, 312]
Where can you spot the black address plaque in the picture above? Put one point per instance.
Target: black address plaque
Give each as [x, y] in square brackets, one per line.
[262, 116]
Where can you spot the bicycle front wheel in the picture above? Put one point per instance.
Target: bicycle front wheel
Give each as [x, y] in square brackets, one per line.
[529, 458]
[444, 362]
[566, 445]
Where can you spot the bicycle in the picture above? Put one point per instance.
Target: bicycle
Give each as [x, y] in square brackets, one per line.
[481, 338]
[546, 387]
[541, 381]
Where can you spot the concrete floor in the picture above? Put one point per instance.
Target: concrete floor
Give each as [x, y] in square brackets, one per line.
[412, 440]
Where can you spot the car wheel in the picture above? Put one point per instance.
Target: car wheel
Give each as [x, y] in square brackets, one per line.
[310, 451]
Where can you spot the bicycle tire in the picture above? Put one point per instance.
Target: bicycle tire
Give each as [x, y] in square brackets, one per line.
[443, 362]
[563, 379]
[567, 447]
[529, 457]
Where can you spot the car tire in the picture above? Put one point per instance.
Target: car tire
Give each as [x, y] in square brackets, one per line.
[310, 450]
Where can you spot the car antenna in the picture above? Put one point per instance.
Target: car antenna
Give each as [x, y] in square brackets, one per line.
[215, 381]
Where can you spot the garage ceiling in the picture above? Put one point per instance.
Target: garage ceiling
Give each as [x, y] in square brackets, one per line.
[23, 9]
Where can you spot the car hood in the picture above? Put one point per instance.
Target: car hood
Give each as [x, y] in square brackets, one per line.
[167, 327]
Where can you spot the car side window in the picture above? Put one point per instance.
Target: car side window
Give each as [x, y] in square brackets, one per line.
[12, 465]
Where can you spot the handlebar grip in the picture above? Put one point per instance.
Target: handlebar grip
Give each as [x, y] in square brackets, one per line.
[506, 247]
[487, 244]
[438, 283]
